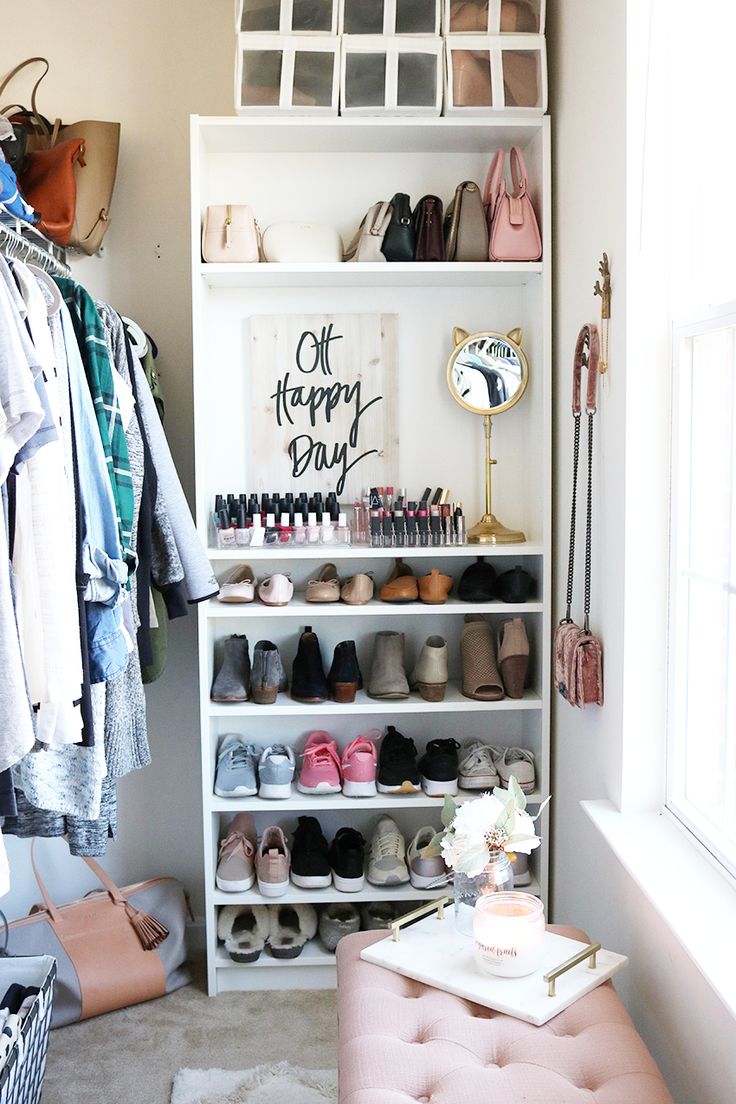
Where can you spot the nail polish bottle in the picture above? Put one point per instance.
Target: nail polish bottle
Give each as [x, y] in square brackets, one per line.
[257, 533]
[343, 532]
[272, 533]
[285, 529]
[225, 531]
[300, 529]
[242, 533]
[327, 530]
[312, 529]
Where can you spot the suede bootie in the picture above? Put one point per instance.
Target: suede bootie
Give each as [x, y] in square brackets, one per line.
[268, 676]
[513, 656]
[345, 679]
[308, 682]
[232, 681]
[481, 679]
[388, 677]
[430, 673]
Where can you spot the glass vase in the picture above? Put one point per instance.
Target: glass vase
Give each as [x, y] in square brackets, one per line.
[497, 877]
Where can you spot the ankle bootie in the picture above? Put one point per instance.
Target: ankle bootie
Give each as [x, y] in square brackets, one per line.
[515, 585]
[308, 682]
[232, 681]
[344, 679]
[513, 656]
[477, 583]
[430, 673]
[434, 587]
[388, 677]
[268, 676]
[481, 679]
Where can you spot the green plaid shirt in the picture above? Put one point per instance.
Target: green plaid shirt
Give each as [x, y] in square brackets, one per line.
[96, 360]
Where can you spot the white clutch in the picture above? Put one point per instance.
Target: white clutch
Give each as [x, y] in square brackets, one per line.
[301, 242]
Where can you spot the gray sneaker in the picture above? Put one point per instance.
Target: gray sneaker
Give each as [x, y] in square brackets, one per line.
[477, 769]
[236, 768]
[387, 861]
[276, 771]
[425, 873]
[335, 921]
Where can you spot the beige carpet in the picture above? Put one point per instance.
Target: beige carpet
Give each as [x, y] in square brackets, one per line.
[132, 1056]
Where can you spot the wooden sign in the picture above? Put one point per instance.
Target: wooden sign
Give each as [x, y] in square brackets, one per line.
[324, 403]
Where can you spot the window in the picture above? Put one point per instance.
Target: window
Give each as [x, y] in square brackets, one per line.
[701, 774]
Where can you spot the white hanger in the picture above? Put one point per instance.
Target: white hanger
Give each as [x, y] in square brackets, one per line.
[54, 306]
[138, 338]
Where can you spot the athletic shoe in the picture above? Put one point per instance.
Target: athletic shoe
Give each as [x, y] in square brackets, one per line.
[425, 872]
[347, 852]
[276, 771]
[236, 768]
[477, 768]
[272, 863]
[520, 763]
[320, 772]
[387, 860]
[359, 765]
[438, 768]
[310, 863]
[235, 868]
[397, 768]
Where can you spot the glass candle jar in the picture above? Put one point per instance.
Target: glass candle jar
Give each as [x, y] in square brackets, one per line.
[508, 932]
[497, 877]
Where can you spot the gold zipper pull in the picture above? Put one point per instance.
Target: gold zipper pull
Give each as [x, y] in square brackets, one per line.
[228, 223]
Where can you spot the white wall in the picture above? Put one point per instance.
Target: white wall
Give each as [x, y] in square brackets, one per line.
[687, 1028]
[147, 65]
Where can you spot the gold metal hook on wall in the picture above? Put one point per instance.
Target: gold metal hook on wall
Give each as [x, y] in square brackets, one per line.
[604, 291]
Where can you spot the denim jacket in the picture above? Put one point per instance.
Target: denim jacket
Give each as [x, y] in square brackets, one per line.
[102, 561]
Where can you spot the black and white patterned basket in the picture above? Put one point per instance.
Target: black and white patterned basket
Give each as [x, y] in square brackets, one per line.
[21, 1079]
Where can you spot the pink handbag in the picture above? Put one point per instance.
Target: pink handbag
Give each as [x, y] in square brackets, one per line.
[512, 223]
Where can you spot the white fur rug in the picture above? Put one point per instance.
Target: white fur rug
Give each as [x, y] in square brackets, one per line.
[263, 1085]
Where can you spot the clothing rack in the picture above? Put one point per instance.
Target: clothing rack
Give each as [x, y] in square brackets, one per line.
[23, 241]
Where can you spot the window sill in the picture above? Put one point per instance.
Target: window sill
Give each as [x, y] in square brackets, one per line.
[694, 898]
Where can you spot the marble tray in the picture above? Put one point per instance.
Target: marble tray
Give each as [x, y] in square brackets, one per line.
[433, 952]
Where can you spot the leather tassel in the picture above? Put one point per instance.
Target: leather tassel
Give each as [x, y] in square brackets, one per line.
[149, 931]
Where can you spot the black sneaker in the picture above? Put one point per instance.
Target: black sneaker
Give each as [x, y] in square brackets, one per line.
[397, 766]
[310, 863]
[347, 852]
[438, 767]
[308, 682]
[477, 583]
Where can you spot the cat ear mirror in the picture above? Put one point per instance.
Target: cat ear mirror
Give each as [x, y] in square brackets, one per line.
[487, 374]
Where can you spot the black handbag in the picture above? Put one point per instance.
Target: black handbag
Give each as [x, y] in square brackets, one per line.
[398, 242]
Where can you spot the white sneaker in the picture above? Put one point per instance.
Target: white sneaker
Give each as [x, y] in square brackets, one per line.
[387, 860]
[520, 763]
[425, 873]
[477, 767]
[240, 586]
[276, 590]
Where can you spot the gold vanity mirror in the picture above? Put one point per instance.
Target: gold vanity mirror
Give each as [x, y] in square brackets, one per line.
[487, 374]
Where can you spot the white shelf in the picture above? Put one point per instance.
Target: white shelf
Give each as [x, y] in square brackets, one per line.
[299, 607]
[328, 553]
[313, 954]
[296, 896]
[316, 803]
[370, 274]
[454, 702]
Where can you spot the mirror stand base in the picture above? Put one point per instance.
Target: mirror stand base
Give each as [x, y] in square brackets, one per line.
[490, 531]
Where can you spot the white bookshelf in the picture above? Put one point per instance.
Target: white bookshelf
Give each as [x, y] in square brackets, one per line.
[331, 170]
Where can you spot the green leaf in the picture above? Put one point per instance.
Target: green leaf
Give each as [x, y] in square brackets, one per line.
[434, 847]
[507, 819]
[473, 859]
[517, 793]
[449, 809]
[541, 809]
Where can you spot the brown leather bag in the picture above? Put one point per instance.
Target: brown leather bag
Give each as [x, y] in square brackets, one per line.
[49, 183]
[114, 948]
[428, 231]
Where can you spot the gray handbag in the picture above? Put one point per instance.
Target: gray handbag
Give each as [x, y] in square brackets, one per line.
[114, 948]
[466, 226]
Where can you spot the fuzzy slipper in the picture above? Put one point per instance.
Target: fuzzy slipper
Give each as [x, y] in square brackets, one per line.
[290, 926]
[244, 930]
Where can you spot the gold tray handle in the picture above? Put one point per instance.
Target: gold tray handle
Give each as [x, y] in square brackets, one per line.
[437, 906]
[589, 952]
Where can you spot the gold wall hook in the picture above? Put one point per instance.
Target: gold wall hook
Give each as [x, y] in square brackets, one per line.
[604, 291]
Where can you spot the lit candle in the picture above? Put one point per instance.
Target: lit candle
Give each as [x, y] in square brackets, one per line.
[508, 930]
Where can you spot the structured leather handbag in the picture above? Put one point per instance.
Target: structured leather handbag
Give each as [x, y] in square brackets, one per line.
[230, 235]
[302, 243]
[94, 173]
[578, 654]
[512, 221]
[398, 244]
[48, 181]
[466, 228]
[369, 238]
[428, 230]
[114, 948]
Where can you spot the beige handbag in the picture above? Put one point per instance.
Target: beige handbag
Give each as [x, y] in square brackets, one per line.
[230, 235]
[368, 241]
[466, 227]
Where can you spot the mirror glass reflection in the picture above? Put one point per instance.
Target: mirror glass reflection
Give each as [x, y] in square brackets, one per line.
[487, 373]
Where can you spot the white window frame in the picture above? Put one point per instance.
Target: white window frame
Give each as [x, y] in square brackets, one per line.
[703, 830]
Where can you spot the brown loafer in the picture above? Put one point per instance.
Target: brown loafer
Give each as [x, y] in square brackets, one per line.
[401, 585]
[434, 588]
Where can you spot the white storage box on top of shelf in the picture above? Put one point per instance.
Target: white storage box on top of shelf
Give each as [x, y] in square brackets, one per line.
[287, 16]
[389, 75]
[490, 74]
[296, 75]
[388, 17]
[493, 16]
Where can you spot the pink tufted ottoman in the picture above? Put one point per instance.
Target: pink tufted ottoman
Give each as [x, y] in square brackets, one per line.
[402, 1042]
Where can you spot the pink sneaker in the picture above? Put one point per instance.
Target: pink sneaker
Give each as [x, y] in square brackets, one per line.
[359, 765]
[320, 765]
